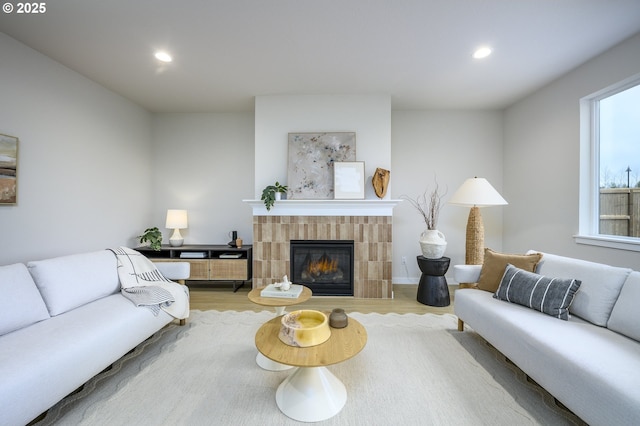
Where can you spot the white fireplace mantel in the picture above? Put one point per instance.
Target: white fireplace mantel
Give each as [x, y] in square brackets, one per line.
[325, 207]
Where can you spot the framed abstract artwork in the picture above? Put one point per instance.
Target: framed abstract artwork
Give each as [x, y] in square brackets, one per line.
[311, 160]
[349, 180]
[8, 169]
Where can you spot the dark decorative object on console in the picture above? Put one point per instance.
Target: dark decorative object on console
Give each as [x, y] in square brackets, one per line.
[234, 237]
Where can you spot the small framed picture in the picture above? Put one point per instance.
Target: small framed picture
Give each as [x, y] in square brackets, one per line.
[348, 178]
[8, 169]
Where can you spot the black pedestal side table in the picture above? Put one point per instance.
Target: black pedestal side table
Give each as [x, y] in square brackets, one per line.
[433, 289]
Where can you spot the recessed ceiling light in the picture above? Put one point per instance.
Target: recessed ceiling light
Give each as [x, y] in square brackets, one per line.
[163, 56]
[482, 52]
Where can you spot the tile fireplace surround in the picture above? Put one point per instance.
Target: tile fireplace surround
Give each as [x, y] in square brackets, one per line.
[371, 234]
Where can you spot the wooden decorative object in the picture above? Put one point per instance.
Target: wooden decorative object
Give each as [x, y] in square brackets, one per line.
[380, 182]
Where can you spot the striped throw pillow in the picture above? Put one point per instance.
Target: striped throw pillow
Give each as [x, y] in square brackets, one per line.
[551, 296]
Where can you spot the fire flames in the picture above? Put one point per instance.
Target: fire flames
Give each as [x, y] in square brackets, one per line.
[323, 266]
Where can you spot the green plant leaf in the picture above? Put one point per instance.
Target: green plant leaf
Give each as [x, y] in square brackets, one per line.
[153, 236]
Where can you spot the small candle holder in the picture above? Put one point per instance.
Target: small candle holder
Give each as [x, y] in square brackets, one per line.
[338, 318]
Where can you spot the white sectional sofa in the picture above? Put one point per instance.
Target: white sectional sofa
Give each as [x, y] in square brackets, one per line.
[590, 362]
[63, 321]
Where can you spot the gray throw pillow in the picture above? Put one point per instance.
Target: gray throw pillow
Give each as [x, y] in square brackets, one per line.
[551, 296]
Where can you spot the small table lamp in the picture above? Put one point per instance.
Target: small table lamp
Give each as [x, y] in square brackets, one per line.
[476, 192]
[176, 220]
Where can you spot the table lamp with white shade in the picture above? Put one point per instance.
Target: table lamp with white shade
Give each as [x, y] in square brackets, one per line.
[475, 193]
[176, 220]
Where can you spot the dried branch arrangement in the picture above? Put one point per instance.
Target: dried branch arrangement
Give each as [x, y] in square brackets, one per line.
[428, 205]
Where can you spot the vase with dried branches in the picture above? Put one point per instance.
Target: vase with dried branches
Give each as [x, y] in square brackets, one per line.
[432, 242]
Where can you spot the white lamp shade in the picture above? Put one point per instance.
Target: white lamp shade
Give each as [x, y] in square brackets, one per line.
[177, 219]
[477, 192]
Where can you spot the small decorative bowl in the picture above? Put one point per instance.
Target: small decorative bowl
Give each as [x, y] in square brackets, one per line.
[304, 328]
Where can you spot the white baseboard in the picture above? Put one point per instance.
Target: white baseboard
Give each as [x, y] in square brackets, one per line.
[415, 280]
[405, 280]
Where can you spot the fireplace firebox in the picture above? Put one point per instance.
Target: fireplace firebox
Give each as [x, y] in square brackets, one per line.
[325, 266]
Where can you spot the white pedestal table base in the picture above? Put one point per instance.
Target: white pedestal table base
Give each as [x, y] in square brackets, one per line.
[270, 365]
[311, 394]
[264, 362]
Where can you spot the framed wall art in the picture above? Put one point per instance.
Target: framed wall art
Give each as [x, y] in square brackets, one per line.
[311, 160]
[8, 169]
[349, 180]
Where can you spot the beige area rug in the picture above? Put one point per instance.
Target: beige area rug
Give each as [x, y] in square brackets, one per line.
[414, 370]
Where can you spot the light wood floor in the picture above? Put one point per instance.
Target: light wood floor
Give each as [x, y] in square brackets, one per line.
[221, 297]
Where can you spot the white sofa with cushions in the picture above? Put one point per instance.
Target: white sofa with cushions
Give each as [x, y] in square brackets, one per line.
[590, 362]
[64, 320]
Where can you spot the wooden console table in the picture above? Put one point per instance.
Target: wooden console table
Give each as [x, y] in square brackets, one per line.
[212, 266]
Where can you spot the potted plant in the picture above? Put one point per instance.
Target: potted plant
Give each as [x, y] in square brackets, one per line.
[272, 193]
[153, 236]
[432, 241]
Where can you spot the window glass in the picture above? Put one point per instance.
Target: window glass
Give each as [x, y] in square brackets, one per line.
[618, 143]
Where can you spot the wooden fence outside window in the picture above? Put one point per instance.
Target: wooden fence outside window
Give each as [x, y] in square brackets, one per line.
[620, 211]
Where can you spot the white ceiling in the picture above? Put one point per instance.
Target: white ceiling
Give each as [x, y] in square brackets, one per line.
[417, 51]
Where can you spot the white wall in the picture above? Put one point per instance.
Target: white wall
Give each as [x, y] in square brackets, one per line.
[204, 163]
[277, 116]
[449, 146]
[84, 179]
[541, 163]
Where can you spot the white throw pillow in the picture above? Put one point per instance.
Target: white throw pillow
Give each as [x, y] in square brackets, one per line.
[70, 281]
[625, 317]
[600, 286]
[23, 304]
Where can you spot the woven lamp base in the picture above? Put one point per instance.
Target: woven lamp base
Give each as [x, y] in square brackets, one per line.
[474, 253]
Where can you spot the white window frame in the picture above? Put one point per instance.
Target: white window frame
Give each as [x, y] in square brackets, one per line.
[588, 219]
